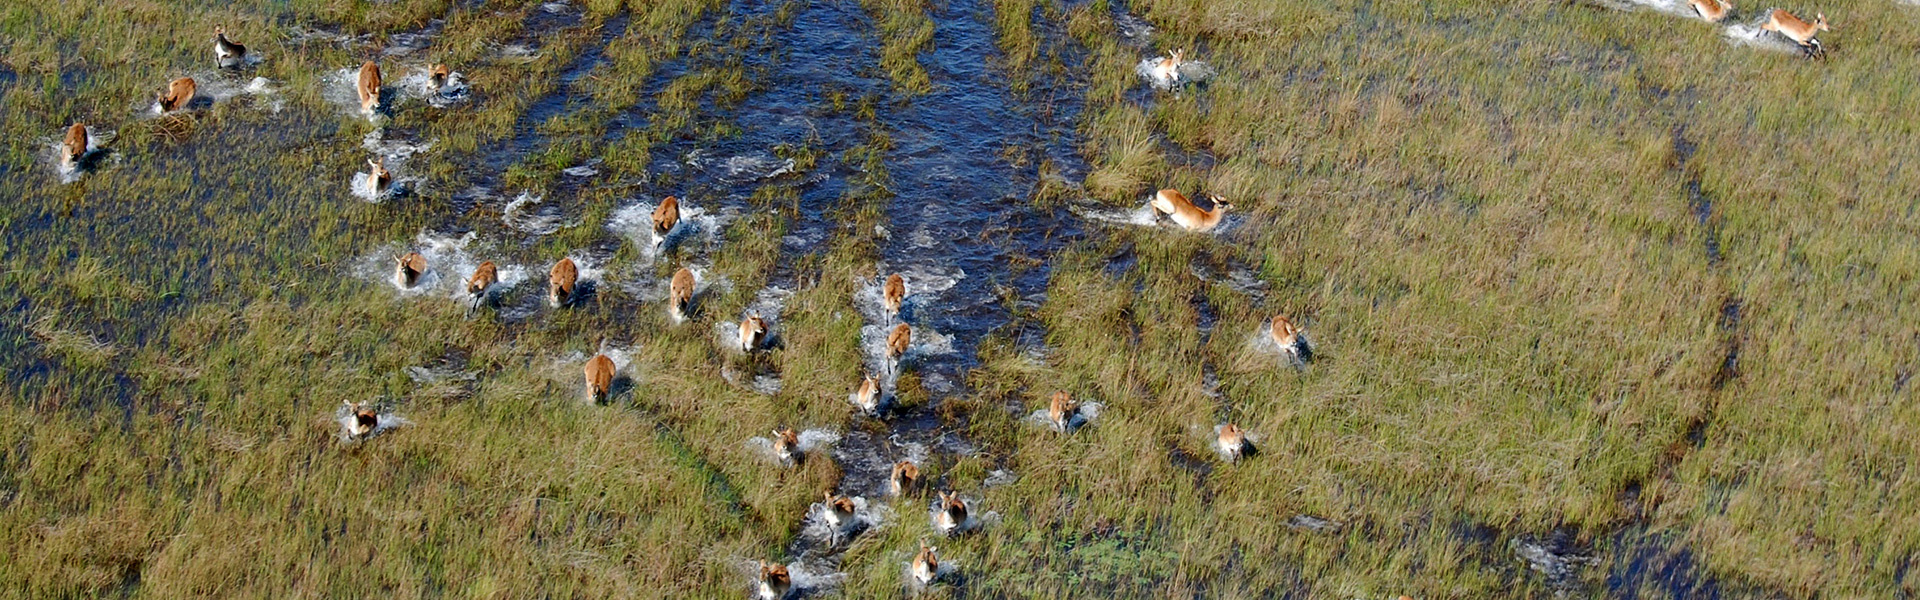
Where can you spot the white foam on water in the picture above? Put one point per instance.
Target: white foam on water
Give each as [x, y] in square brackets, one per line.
[999, 477]
[448, 266]
[1261, 341]
[1142, 216]
[383, 422]
[767, 303]
[1189, 72]
[655, 289]
[527, 213]
[361, 186]
[926, 342]
[342, 88]
[926, 284]
[812, 441]
[417, 84]
[740, 168]
[52, 147]
[697, 225]
[1081, 417]
[395, 151]
[1753, 36]
[806, 576]
[866, 517]
[584, 170]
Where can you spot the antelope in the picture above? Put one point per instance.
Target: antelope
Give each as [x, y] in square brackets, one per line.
[680, 294]
[1799, 31]
[897, 343]
[786, 445]
[1168, 69]
[1713, 11]
[775, 581]
[1176, 205]
[379, 179]
[753, 332]
[483, 278]
[599, 372]
[561, 282]
[665, 217]
[364, 419]
[437, 78]
[1233, 443]
[893, 294]
[839, 510]
[228, 54]
[952, 515]
[408, 268]
[1291, 338]
[867, 399]
[74, 147]
[179, 93]
[926, 566]
[369, 87]
[1061, 410]
[905, 477]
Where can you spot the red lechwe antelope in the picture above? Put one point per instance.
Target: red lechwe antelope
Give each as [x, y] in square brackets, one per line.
[562, 281]
[893, 294]
[904, 479]
[379, 179]
[179, 94]
[926, 566]
[775, 581]
[839, 510]
[665, 217]
[365, 420]
[680, 294]
[369, 87]
[1801, 32]
[226, 53]
[952, 514]
[599, 373]
[897, 343]
[1291, 339]
[483, 278]
[1713, 11]
[1168, 69]
[437, 78]
[74, 147]
[1176, 205]
[408, 268]
[1232, 443]
[753, 332]
[786, 445]
[1061, 410]
[867, 398]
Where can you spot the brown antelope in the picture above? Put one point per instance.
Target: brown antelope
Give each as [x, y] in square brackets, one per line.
[437, 78]
[680, 294]
[178, 95]
[599, 372]
[926, 566]
[483, 278]
[369, 87]
[753, 332]
[408, 268]
[1713, 11]
[893, 294]
[867, 399]
[1233, 443]
[665, 217]
[1168, 69]
[775, 581]
[952, 515]
[897, 343]
[1291, 338]
[839, 510]
[1061, 410]
[1801, 32]
[786, 445]
[74, 147]
[562, 281]
[905, 478]
[227, 53]
[1176, 205]
[365, 420]
[379, 179]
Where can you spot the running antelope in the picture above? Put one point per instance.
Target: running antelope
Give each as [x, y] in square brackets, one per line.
[1233, 443]
[437, 78]
[1176, 205]
[753, 332]
[926, 566]
[1291, 338]
[1713, 11]
[408, 268]
[775, 581]
[1801, 32]
[867, 399]
[1168, 69]
[952, 515]
[839, 510]
[483, 278]
[680, 294]
[893, 294]
[178, 95]
[365, 420]
[379, 179]
[897, 343]
[599, 372]
[562, 281]
[1061, 410]
[369, 87]
[74, 147]
[786, 445]
[227, 53]
[665, 217]
[905, 478]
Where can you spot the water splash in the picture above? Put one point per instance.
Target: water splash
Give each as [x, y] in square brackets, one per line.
[384, 422]
[527, 213]
[811, 441]
[1188, 73]
[53, 147]
[1082, 416]
[697, 225]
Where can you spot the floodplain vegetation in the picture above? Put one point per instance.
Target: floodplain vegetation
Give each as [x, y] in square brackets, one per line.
[1602, 303]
